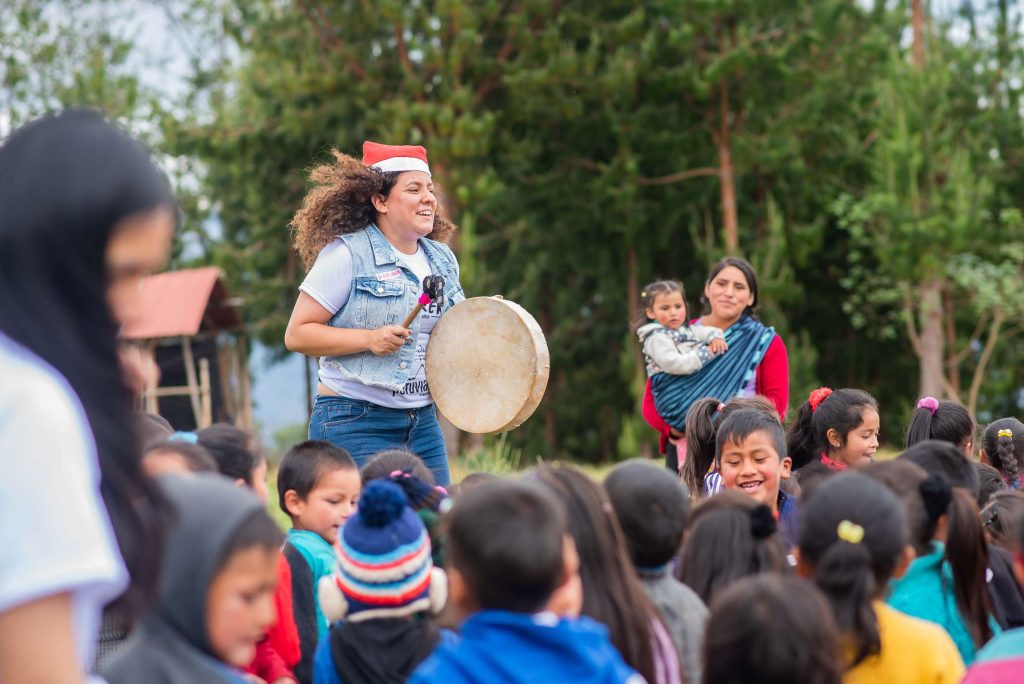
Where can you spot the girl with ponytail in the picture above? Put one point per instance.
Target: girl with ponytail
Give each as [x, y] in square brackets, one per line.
[839, 428]
[1002, 446]
[946, 583]
[852, 542]
[946, 421]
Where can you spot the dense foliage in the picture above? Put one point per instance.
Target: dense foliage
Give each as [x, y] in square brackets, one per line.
[585, 147]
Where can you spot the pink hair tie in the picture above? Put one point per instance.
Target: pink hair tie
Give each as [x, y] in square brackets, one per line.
[400, 473]
[720, 408]
[930, 403]
[817, 396]
[441, 489]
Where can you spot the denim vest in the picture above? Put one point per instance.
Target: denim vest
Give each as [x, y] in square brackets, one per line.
[383, 293]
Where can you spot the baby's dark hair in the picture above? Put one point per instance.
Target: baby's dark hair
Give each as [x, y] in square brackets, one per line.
[1003, 442]
[702, 421]
[841, 410]
[506, 539]
[852, 536]
[946, 421]
[730, 536]
[304, 465]
[653, 290]
[196, 458]
[927, 494]
[234, 450]
[386, 462]
[1000, 515]
[651, 505]
[257, 530]
[781, 625]
[736, 427]
[990, 483]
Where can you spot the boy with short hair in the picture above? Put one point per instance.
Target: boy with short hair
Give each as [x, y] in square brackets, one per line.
[318, 487]
[750, 453]
[652, 505]
[508, 544]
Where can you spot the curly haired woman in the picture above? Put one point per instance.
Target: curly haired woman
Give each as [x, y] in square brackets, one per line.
[369, 232]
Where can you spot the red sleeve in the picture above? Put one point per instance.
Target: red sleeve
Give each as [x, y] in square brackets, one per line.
[268, 664]
[653, 419]
[773, 376]
[284, 636]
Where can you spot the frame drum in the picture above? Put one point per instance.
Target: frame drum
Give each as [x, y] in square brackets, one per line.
[487, 365]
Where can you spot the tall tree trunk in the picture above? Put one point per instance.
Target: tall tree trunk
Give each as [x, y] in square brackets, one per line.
[933, 339]
[726, 175]
[917, 23]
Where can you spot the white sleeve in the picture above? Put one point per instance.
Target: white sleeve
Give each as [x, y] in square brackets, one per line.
[706, 333]
[669, 358]
[329, 282]
[55, 535]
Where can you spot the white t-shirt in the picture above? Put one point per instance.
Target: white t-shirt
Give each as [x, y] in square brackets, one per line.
[329, 282]
[55, 536]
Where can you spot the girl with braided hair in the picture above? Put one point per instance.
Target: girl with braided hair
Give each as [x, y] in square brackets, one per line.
[1002, 446]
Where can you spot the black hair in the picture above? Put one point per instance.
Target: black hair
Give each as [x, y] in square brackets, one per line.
[257, 530]
[1005, 451]
[702, 421]
[841, 410]
[472, 481]
[853, 572]
[197, 459]
[950, 421]
[152, 428]
[386, 462]
[782, 627]
[67, 181]
[927, 494]
[305, 463]
[506, 539]
[612, 592]
[233, 449]
[748, 272]
[651, 506]
[810, 478]
[942, 457]
[999, 516]
[990, 483]
[730, 536]
[736, 427]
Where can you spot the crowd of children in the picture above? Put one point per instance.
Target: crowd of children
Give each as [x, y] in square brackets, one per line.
[806, 560]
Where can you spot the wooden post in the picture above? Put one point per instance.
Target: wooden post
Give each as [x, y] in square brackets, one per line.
[245, 384]
[226, 375]
[190, 377]
[152, 402]
[206, 395]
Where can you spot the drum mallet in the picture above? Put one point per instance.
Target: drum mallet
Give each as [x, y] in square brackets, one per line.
[433, 290]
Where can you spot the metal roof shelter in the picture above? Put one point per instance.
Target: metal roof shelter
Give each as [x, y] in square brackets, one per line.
[192, 329]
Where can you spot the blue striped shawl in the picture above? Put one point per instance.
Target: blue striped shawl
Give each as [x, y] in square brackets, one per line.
[723, 378]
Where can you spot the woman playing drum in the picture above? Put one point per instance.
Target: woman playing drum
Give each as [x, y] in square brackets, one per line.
[756, 362]
[370, 233]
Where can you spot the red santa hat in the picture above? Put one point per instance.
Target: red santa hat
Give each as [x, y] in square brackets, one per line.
[395, 157]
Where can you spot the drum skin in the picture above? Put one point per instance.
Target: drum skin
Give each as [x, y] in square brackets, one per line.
[487, 365]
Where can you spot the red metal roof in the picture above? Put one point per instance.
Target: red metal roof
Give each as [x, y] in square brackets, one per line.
[175, 304]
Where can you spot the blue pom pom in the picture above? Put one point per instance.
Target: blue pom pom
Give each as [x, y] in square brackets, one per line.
[381, 503]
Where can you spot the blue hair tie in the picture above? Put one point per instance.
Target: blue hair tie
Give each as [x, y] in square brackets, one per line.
[190, 437]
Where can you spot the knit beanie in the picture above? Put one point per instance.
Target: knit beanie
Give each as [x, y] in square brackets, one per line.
[384, 560]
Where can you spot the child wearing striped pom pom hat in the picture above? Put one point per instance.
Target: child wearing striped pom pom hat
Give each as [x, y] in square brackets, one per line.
[382, 596]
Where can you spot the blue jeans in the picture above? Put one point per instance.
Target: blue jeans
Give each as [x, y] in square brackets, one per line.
[365, 429]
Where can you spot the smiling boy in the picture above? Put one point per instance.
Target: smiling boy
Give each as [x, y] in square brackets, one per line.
[750, 452]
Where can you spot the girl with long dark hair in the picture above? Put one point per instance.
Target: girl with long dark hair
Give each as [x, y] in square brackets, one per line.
[84, 216]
